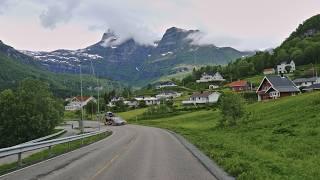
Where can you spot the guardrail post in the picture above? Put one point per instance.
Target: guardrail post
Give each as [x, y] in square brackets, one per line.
[50, 153]
[19, 159]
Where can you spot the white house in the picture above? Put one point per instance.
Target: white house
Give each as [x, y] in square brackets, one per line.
[131, 103]
[165, 84]
[76, 103]
[148, 100]
[168, 95]
[113, 101]
[203, 98]
[281, 68]
[209, 78]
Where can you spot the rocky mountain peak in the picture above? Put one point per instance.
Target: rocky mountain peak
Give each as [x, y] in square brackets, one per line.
[109, 34]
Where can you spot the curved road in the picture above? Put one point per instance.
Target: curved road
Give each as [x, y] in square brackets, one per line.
[131, 152]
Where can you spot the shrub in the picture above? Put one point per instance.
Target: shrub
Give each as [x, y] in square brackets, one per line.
[232, 109]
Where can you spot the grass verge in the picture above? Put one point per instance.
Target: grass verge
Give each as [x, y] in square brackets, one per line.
[278, 140]
[55, 151]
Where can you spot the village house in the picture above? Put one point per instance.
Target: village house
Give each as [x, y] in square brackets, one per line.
[76, 103]
[269, 71]
[313, 87]
[305, 82]
[149, 101]
[281, 68]
[274, 87]
[209, 78]
[202, 98]
[131, 103]
[165, 84]
[240, 85]
[114, 100]
[168, 95]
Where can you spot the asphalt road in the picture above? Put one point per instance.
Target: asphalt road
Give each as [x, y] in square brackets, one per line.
[130, 153]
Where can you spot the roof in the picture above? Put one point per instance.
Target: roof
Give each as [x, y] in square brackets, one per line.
[302, 80]
[239, 83]
[313, 86]
[84, 98]
[282, 84]
[201, 94]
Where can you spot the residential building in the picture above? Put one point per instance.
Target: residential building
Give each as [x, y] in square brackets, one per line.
[76, 103]
[240, 85]
[149, 100]
[114, 100]
[131, 103]
[165, 84]
[274, 87]
[313, 87]
[269, 71]
[209, 78]
[281, 68]
[305, 82]
[202, 98]
[168, 95]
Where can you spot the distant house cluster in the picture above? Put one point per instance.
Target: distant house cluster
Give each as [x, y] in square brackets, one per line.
[217, 77]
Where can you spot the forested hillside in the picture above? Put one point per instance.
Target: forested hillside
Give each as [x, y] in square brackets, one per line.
[12, 72]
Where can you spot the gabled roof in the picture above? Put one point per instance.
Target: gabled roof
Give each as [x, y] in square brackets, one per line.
[281, 84]
[83, 99]
[239, 83]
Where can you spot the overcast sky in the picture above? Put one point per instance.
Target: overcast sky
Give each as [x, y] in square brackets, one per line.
[73, 24]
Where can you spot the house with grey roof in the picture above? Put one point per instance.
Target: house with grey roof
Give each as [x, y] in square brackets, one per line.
[274, 87]
[313, 87]
[305, 82]
[202, 98]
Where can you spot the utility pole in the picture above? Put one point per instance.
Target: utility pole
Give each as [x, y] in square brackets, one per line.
[81, 119]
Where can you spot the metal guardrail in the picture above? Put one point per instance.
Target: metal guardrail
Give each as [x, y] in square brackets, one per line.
[44, 138]
[19, 149]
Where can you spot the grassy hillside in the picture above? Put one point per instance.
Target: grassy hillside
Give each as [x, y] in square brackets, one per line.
[12, 72]
[279, 139]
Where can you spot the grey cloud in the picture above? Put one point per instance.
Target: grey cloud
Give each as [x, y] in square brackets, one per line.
[58, 12]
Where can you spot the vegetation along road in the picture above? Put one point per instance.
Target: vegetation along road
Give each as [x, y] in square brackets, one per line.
[131, 152]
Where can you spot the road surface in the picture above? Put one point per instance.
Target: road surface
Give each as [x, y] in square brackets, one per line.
[130, 153]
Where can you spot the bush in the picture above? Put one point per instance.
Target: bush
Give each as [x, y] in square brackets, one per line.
[28, 113]
[232, 109]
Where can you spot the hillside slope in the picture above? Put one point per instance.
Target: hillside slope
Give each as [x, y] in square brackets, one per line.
[278, 140]
[13, 71]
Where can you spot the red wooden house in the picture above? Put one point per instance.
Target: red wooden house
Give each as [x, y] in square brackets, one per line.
[240, 85]
[273, 87]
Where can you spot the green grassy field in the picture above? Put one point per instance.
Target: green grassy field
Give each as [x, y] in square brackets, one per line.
[279, 139]
[131, 115]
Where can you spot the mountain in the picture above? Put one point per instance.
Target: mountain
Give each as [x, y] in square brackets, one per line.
[133, 63]
[15, 66]
[302, 46]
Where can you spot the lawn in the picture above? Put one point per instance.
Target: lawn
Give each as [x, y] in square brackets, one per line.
[278, 140]
[131, 115]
